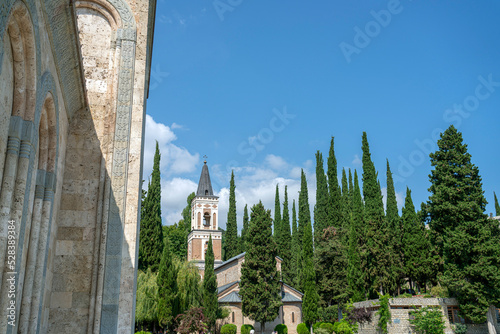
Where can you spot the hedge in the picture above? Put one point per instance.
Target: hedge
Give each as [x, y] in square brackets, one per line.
[302, 328]
[229, 329]
[281, 329]
[245, 329]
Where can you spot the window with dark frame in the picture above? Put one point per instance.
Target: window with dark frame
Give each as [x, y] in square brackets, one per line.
[293, 317]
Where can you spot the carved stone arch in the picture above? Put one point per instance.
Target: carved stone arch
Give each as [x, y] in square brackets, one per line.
[104, 8]
[20, 31]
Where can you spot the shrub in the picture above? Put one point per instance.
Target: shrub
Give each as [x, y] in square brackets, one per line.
[245, 329]
[320, 331]
[405, 295]
[342, 327]
[439, 291]
[228, 329]
[302, 328]
[281, 329]
[142, 332]
[428, 320]
[316, 325]
[328, 326]
[460, 328]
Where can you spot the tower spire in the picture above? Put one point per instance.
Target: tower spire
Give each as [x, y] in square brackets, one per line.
[205, 185]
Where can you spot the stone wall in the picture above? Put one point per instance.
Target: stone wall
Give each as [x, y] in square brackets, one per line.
[71, 135]
[400, 313]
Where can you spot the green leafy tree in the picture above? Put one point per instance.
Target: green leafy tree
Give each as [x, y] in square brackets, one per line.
[177, 237]
[151, 236]
[286, 244]
[335, 210]
[231, 227]
[186, 213]
[379, 250]
[428, 320]
[146, 299]
[497, 207]
[260, 287]
[210, 300]
[188, 285]
[168, 293]
[466, 238]
[277, 219]
[322, 201]
[355, 274]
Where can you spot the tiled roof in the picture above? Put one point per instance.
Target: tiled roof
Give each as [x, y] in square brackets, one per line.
[233, 297]
[225, 287]
[230, 260]
[290, 298]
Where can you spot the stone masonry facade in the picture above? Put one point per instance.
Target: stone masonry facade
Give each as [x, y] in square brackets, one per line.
[74, 79]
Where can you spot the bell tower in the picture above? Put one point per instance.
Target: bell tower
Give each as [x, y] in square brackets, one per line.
[204, 222]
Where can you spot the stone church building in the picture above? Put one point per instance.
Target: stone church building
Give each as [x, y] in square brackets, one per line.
[74, 78]
[204, 223]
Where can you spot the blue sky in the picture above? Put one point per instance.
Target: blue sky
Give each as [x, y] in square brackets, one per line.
[260, 86]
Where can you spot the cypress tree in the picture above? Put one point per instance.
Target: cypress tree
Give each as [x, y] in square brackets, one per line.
[311, 298]
[379, 250]
[467, 240]
[322, 200]
[287, 268]
[244, 230]
[296, 249]
[395, 229]
[210, 300]
[351, 190]
[497, 207]
[151, 234]
[231, 227]
[335, 209]
[168, 299]
[277, 219]
[260, 287]
[356, 253]
[304, 222]
[346, 207]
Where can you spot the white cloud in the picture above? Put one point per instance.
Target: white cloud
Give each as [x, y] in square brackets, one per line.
[177, 126]
[174, 159]
[174, 193]
[357, 161]
[276, 162]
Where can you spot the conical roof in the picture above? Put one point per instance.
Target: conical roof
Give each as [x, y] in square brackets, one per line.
[205, 186]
